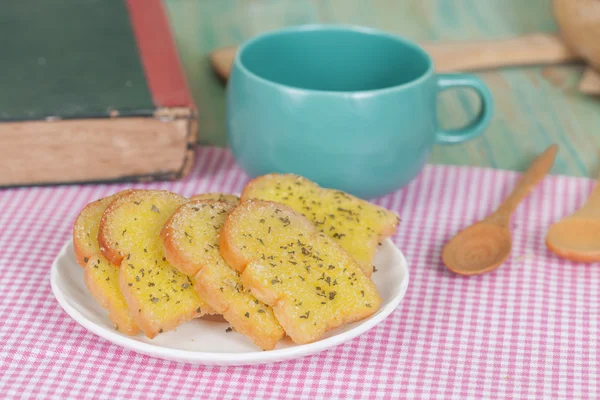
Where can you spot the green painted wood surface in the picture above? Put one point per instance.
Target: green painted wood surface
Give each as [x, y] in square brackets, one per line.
[535, 106]
[69, 59]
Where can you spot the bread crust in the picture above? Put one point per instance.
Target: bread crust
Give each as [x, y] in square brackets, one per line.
[225, 197]
[176, 257]
[212, 277]
[89, 256]
[258, 272]
[184, 263]
[287, 188]
[81, 255]
[150, 329]
[262, 340]
[230, 253]
[120, 317]
[82, 251]
[106, 248]
[137, 263]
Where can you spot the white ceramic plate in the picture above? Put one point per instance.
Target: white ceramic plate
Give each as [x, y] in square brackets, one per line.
[204, 341]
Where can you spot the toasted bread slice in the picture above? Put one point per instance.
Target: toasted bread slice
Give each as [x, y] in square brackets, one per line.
[159, 296]
[85, 228]
[102, 280]
[310, 281]
[357, 225]
[191, 239]
[100, 277]
[226, 197]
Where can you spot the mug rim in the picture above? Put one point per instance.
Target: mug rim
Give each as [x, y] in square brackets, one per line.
[342, 28]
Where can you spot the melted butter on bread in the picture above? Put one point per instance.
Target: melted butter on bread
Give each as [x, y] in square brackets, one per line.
[357, 225]
[159, 296]
[101, 278]
[311, 282]
[191, 239]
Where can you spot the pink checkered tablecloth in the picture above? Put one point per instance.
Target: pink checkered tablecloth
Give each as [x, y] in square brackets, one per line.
[527, 330]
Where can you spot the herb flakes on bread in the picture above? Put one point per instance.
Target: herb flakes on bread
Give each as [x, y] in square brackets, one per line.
[311, 282]
[159, 296]
[357, 225]
[101, 278]
[191, 242]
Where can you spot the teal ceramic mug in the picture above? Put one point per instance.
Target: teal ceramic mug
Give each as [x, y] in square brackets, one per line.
[350, 108]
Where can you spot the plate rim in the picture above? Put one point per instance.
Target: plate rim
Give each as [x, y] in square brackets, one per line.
[223, 358]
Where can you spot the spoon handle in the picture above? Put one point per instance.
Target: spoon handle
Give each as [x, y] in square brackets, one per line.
[536, 171]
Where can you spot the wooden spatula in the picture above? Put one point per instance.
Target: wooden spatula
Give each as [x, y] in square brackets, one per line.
[536, 49]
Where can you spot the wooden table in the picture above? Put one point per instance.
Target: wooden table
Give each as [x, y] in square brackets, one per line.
[535, 106]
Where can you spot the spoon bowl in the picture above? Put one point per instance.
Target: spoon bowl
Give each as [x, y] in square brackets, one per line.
[483, 244]
[575, 238]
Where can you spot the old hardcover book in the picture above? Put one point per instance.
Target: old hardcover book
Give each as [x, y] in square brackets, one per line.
[91, 91]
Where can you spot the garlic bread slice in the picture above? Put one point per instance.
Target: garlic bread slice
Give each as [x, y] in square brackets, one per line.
[159, 297]
[191, 241]
[310, 281]
[357, 225]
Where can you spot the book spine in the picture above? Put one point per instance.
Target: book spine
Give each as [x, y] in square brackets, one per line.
[158, 52]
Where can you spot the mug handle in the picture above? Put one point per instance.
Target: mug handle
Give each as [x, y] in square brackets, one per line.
[479, 123]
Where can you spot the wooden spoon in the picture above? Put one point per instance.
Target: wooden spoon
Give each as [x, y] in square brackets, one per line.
[484, 246]
[577, 237]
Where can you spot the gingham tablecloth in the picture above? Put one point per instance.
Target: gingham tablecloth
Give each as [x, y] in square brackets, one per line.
[527, 330]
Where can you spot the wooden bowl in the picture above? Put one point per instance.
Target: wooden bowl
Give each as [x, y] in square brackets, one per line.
[579, 23]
